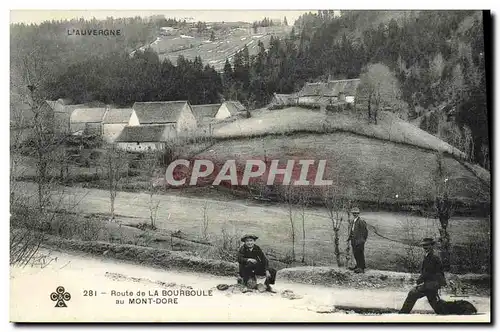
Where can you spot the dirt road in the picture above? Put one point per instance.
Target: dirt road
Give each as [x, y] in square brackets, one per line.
[31, 288]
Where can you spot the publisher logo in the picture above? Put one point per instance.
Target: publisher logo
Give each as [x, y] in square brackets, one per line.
[60, 296]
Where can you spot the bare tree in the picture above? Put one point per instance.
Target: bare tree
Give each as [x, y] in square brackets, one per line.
[288, 196]
[304, 201]
[150, 166]
[115, 164]
[444, 209]
[205, 222]
[335, 206]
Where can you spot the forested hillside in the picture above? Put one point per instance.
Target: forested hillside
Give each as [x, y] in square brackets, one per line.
[436, 58]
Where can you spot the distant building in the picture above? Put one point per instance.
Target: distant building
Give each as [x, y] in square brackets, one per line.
[115, 120]
[168, 31]
[87, 120]
[228, 109]
[177, 114]
[62, 109]
[324, 93]
[283, 100]
[206, 116]
[145, 137]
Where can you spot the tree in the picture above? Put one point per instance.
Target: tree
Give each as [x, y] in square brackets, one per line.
[115, 164]
[285, 22]
[288, 196]
[335, 207]
[444, 209]
[379, 88]
[304, 201]
[212, 36]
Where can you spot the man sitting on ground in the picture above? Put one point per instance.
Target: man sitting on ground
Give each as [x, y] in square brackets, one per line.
[252, 261]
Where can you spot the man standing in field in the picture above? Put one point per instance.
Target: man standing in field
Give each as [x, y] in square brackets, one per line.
[358, 234]
[252, 261]
[430, 280]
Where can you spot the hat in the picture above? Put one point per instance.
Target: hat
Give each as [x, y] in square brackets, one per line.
[355, 210]
[251, 236]
[427, 241]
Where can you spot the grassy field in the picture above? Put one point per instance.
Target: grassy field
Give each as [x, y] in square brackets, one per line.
[271, 223]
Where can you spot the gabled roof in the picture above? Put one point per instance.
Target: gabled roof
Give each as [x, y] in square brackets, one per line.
[284, 98]
[148, 133]
[87, 115]
[159, 111]
[205, 111]
[330, 88]
[234, 107]
[117, 115]
[59, 107]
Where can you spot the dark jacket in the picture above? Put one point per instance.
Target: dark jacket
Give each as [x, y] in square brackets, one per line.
[432, 270]
[359, 234]
[256, 253]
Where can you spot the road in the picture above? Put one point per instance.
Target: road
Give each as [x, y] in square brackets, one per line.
[31, 287]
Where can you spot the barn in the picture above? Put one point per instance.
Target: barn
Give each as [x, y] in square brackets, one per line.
[115, 120]
[88, 120]
[62, 109]
[205, 116]
[228, 109]
[321, 93]
[178, 114]
[145, 137]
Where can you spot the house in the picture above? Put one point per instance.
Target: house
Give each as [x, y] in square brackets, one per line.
[205, 116]
[88, 120]
[321, 93]
[115, 120]
[167, 31]
[145, 137]
[229, 108]
[179, 114]
[62, 109]
[283, 99]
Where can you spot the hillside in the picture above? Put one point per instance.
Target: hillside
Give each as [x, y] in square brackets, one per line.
[213, 53]
[371, 163]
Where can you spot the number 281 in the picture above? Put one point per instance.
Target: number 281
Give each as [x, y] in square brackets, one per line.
[89, 293]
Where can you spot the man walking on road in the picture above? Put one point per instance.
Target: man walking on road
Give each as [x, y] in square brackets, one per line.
[430, 280]
[358, 234]
[252, 261]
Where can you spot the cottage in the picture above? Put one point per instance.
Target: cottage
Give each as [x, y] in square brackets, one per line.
[177, 113]
[115, 120]
[229, 108]
[146, 137]
[283, 100]
[88, 120]
[206, 116]
[62, 109]
[321, 93]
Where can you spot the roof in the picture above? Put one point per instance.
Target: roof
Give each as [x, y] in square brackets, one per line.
[330, 88]
[117, 115]
[158, 111]
[283, 98]
[205, 111]
[86, 115]
[59, 107]
[149, 133]
[234, 106]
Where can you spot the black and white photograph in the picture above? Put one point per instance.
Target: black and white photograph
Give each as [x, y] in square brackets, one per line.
[250, 166]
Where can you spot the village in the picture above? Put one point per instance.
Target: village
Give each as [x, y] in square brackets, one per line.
[149, 126]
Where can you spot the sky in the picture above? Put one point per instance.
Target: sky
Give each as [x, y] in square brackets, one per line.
[38, 16]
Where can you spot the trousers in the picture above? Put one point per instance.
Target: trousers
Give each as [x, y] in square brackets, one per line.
[428, 289]
[250, 270]
[359, 255]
